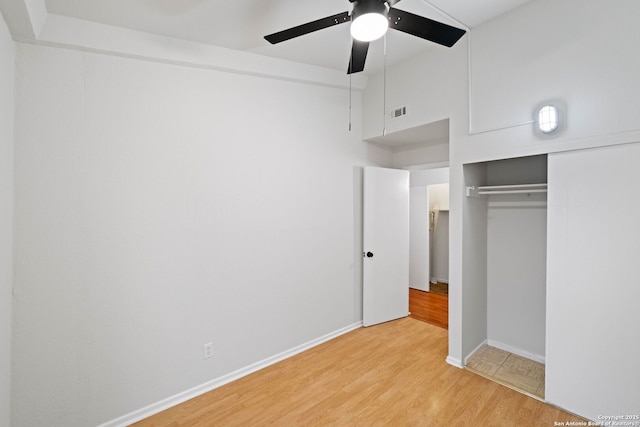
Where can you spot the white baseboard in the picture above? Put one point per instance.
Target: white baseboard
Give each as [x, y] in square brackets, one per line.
[169, 402]
[516, 351]
[454, 362]
[439, 279]
[474, 351]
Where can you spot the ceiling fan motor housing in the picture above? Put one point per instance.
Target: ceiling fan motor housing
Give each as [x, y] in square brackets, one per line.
[369, 6]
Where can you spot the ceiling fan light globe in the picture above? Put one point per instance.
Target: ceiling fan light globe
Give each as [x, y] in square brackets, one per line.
[369, 26]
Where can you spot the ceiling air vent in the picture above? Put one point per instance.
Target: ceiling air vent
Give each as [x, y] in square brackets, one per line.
[398, 112]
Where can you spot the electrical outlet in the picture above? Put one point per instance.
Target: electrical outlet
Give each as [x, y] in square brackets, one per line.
[208, 350]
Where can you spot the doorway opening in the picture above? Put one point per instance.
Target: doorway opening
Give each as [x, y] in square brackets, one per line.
[423, 151]
[429, 246]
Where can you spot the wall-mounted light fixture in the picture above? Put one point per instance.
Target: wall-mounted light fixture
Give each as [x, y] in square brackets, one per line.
[549, 118]
[369, 20]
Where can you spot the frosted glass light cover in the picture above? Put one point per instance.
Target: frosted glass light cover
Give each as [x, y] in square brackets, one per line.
[369, 26]
[548, 119]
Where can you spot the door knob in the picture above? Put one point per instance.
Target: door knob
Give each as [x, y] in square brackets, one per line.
[369, 254]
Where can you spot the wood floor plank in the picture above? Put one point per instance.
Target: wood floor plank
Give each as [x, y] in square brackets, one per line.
[392, 374]
[429, 307]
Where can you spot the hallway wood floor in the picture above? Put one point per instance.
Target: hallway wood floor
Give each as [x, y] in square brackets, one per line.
[429, 307]
[393, 374]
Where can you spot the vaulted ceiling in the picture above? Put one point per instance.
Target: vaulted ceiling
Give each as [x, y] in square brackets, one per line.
[241, 24]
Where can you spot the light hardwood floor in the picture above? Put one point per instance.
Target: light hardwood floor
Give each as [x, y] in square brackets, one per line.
[392, 374]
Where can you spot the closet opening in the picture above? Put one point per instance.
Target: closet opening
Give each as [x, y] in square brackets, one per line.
[510, 213]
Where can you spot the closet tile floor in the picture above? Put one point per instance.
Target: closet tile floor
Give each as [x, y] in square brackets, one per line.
[509, 369]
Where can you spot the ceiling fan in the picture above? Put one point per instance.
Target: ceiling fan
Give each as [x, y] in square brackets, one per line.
[370, 20]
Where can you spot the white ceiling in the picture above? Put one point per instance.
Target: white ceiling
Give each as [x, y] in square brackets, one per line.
[242, 24]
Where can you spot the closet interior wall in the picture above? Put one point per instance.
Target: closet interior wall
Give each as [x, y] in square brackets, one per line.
[516, 258]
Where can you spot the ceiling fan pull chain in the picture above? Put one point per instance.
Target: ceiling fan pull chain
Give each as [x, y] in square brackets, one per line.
[350, 95]
[384, 87]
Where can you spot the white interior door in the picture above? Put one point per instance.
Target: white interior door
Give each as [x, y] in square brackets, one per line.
[386, 245]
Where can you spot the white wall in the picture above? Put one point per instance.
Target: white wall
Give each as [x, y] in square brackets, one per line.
[473, 315]
[516, 274]
[6, 215]
[432, 86]
[582, 53]
[592, 285]
[517, 258]
[162, 207]
[426, 177]
[433, 152]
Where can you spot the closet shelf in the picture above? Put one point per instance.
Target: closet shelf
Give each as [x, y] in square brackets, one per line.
[483, 190]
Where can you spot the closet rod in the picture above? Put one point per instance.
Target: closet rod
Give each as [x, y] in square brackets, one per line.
[514, 191]
[483, 190]
[511, 187]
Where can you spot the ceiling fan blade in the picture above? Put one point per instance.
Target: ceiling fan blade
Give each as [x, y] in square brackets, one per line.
[307, 28]
[358, 56]
[425, 28]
